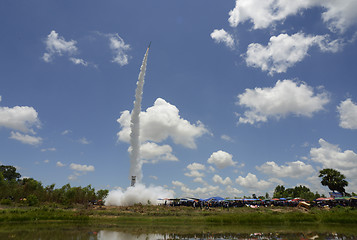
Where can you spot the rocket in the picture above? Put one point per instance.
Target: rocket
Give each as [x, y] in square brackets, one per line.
[149, 45]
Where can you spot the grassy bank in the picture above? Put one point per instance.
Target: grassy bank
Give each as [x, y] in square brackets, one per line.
[40, 214]
[182, 215]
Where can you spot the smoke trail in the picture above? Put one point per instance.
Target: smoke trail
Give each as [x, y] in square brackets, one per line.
[135, 163]
[138, 193]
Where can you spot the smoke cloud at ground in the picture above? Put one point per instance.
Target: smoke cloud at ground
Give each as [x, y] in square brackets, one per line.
[137, 194]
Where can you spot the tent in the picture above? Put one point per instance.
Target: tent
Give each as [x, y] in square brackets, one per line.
[213, 199]
[324, 199]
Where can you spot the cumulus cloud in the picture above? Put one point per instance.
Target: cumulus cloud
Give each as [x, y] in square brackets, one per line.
[81, 168]
[20, 118]
[221, 159]
[331, 156]
[348, 114]
[196, 166]
[26, 139]
[152, 153]
[285, 98]
[57, 45]
[195, 174]
[59, 164]
[285, 51]
[78, 61]
[251, 181]
[119, 48]
[160, 122]
[218, 179]
[338, 15]
[221, 36]
[199, 191]
[295, 169]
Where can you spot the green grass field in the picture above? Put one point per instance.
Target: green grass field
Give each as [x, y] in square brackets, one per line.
[182, 215]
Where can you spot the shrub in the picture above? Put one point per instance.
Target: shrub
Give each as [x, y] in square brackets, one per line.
[5, 202]
[32, 200]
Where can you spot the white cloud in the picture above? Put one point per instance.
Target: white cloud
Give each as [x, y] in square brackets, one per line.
[119, 48]
[26, 139]
[338, 15]
[194, 173]
[46, 161]
[196, 166]
[211, 169]
[59, 164]
[84, 141]
[221, 36]
[153, 177]
[285, 98]
[218, 179]
[200, 191]
[251, 181]
[221, 159]
[348, 114]
[48, 149]
[78, 61]
[331, 156]
[65, 132]
[285, 51]
[232, 192]
[178, 183]
[160, 122]
[152, 153]
[264, 13]
[57, 45]
[200, 180]
[81, 168]
[226, 138]
[295, 169]
[21, 118]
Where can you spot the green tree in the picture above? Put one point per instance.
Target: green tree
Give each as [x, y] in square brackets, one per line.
[9, 173]
[102, 194]
[279, 191]
[333, 179]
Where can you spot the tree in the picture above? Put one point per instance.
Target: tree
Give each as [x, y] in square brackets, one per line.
[279, 191]
[9, 173]
[333, 179]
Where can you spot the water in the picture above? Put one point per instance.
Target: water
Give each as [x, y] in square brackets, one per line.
[61, 231]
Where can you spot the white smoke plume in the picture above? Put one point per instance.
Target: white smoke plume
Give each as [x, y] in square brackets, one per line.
[135, 163]
[137, 194]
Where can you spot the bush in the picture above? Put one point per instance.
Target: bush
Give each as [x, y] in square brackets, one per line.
[5, 202]
[32, 200]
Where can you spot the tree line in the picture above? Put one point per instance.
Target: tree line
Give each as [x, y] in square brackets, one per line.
[29, 191]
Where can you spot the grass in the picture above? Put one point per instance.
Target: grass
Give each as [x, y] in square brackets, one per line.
[182, 215]
[40, 214]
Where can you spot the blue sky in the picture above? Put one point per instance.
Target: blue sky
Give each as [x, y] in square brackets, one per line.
[239, 96]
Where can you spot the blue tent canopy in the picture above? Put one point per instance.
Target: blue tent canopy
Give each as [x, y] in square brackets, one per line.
[214, 199]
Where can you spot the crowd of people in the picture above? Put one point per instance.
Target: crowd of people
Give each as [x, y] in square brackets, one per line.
[215, 202]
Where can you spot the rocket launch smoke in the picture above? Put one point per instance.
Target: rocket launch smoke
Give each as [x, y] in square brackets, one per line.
[138, 193]
[135, 163]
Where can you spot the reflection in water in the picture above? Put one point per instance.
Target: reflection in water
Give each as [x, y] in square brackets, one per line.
[113, 235]
[55, 231]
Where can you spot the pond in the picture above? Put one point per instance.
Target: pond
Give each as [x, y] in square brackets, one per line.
[80, 231]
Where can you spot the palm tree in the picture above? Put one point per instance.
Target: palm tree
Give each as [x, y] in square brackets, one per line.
[333, 179]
